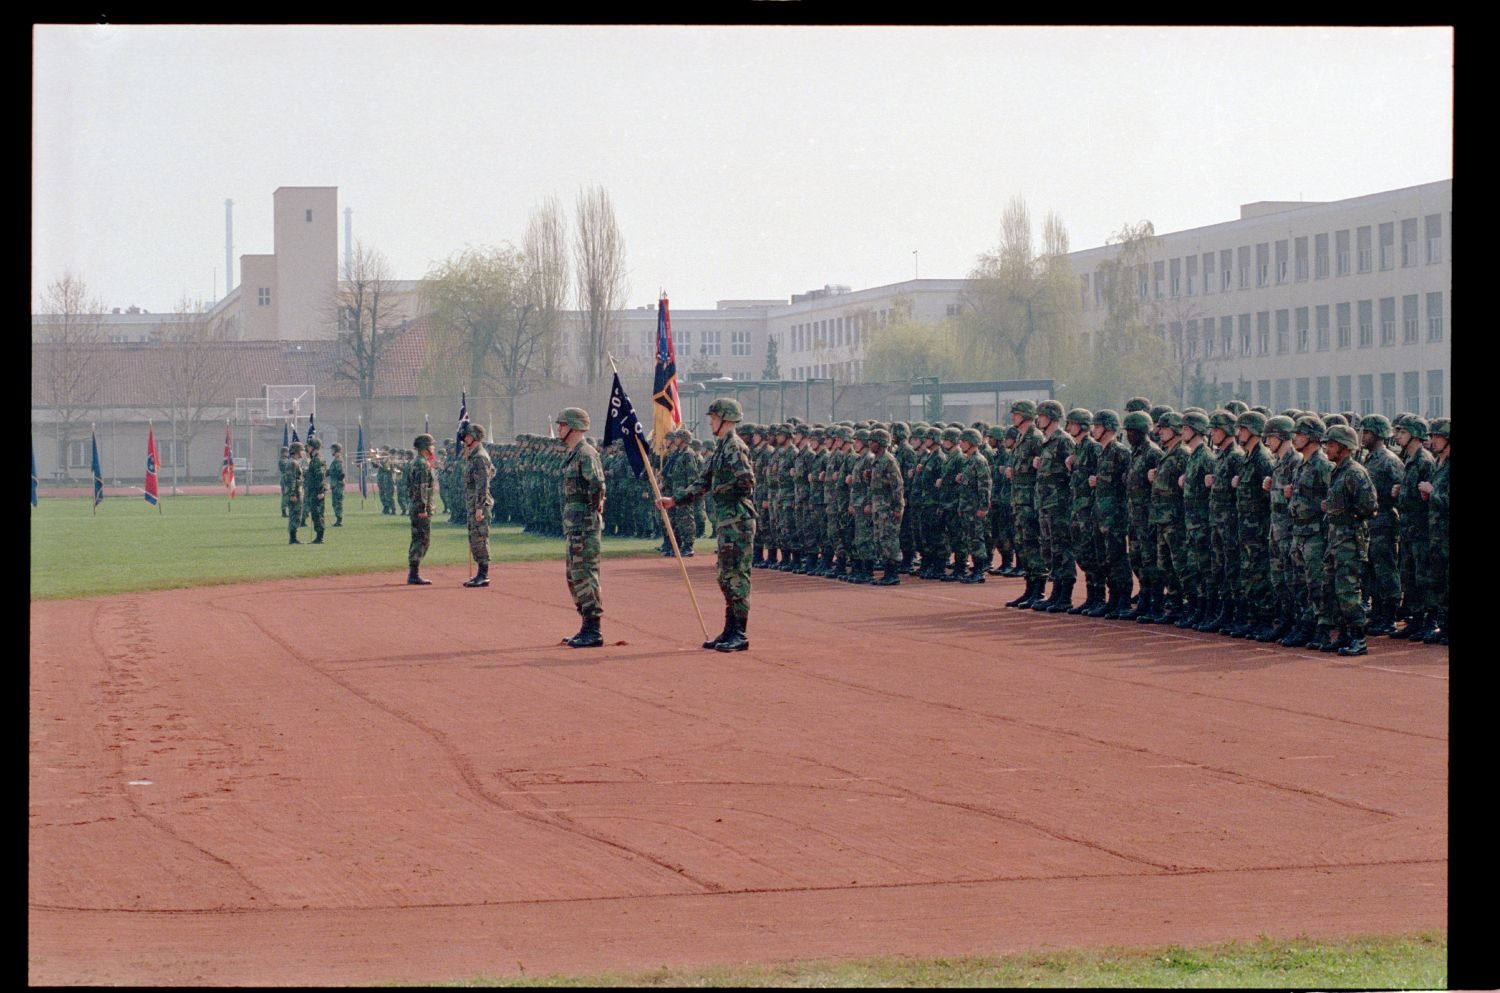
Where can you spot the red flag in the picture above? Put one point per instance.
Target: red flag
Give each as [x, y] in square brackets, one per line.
[226, 473]
[151, 463]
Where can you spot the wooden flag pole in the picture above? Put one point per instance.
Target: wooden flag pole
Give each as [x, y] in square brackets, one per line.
[666, 521]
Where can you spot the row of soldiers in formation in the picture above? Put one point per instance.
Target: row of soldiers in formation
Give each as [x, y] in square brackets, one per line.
[1295, 528]
[307, 479]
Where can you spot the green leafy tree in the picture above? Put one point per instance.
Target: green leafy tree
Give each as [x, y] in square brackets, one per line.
[1128, 355]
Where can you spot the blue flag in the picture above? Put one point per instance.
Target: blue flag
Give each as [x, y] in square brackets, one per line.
[364, 464]
[33, 473]
[624, 426]
[286, 438]
[311, 430]
[294, 433]
[98, 472]
[463, 417]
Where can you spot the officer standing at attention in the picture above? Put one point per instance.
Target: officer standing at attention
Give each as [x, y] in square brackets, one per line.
[1349, 505]
[729, 476]
[336, 482]
[583, 522]
[477, 472]
[291, 489]
[315, 486]
[419, 487]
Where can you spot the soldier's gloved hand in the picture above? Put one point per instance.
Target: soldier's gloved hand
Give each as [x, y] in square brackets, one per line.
[1234, 482]
[1036, 462]
[1208, 480]
[1425, 488]
[1009, 473]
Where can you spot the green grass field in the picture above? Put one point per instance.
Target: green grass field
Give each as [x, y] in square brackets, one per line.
[196, 541]
[1414, 962]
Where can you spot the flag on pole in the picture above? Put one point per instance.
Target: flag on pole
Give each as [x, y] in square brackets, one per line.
[364, 464]
[426, 425]
[624, 426]
[226, 471]
[286, 438]
[666, 412]
[94, 465]
[463, 417]
[33, 473]
[311, 431]
[294, 434]
[151, 463]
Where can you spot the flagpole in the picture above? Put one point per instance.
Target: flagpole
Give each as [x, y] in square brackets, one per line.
[94, 444]
[666, 521]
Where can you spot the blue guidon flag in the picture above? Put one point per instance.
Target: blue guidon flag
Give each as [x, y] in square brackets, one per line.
[623, 426]
[666, 411]
[98, 472]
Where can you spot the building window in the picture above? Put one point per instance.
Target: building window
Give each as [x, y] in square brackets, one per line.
[1208, 338]
[1366, 323]
[1226, 268]
[1434, 317]
[1283, 394]
[1388, 394]
[1263, 392]
[80, 455]
[1226, 335]
[1281, 261]
[1245, 339]
[1388, 245]
[682, 342]
[1365, 247]
[1345, 393]
[742, 376]
[1159, 272]
[1263, 264]
[739, 342]
[1320, 314]
[1387, 321]
[1283, 331]
[1304, 393]
[1244, 260]
[1341, 252]
[1409, 242]
[1320, 256]
[1192, 275]
[263, 296]
[173, 453]
[1175, 268]
[1263, 332]
[711, 343]
[1366, 395]
[309, 216]
[1435, 393]
[1345, 323]
[1324, 397]
[1409, 319]
[953, 308]
[1302, 331]
[1413, 383]
[1434, 225]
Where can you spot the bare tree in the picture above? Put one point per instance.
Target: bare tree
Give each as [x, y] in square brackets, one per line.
[546, 253]
[1129, 356]
[369, 316]
[1177, 314]
[599, 273]
[67, 370]
[194, 376]
[485, 323]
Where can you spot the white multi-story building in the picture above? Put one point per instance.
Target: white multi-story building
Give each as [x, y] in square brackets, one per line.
[1345, 305]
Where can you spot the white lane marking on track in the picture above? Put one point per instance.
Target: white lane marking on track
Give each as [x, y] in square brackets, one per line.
[1177, 765]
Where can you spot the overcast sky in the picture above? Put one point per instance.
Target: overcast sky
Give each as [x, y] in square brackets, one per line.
[743, 162]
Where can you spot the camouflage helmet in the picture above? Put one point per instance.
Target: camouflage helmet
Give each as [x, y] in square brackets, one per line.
[1158, 410]
[1310, 426]
[1378, 425]
[294, 448]
[1291, 412]
[951, 434]
[1253, 421]
[744, 430]
[1262, 409]
[1137, 403]
[1051, 409]
[1170, 419]
[1195, 419]
[1415, 426]
[1236, 407]
[1222, 419]
[574, 417]
[1081, 415]
[1396, 421]
[798, 427]
[1137, 420]
[794, 421]
[1350, 417]
[1107, 419]
[726, 408]
[1440, 427]
[1280, 426]
[1025, 408]
[817, 433]
[972, 436]
[861, 434]
[1341, 434]
[314, 443]
[336, 447]
[1012, 434]
[919, 424]
[880, 436]
[421, 442]
[846, 433]
[1333, 420]
[474, 430]
[900, 430]
[997, 432]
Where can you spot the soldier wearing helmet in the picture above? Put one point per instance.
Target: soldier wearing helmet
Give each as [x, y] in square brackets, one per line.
[1253, 508]
[1382, 578]
[885, 507]
[1203, 602]
[678, 469]
[583, 491]
[804, 542]
[1435, 492]
[1111, 514]
[1022, 473]
[1418, 593]
[840, 524]
[478, 469]
[1173, 572]
[1223, 515]
[1349, 505]
[1145, 455]
[1286, 590]
[1083, 532]
[970, 535]
[1053, 506]
[729, 475]
[1305, 496]
[906, 457]
[291, 486]
[1001, 529]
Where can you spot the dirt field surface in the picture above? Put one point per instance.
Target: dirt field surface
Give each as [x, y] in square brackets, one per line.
[352, 781]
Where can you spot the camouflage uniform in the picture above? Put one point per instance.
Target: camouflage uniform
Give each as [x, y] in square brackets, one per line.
[420, 482]
[1383, 573]
[1001, 522]
[1253, 512]
[582, 490]
[1437, 532]
[1286, 586]
[1223, 514]
[906, 459]
[291, 487]
[730, 477]
[1023, 501]
[1112, 518]
[1167, 517]
[281, 470]
[315, 492]
[1197, 522]
[933, 536]
[1351, 503]
[336, 487]
[477, 500]
[863, 543]
[1083, 529]
[885, 511]
[1309, 490]
[975, 490]
[1052, 500]
[1143, 458]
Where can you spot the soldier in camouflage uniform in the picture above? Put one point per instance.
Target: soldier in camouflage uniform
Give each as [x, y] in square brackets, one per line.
[1197, 522]
[679, 468]
[315, 488]
[419, 501]
[291, 487]
[1435, 491]
[1417, 586]
[398, 472]
[886, 507]
[1285, 588]
[1145, 455]
[1349, 505]
[1052, 500]
[817, 503]
[862, 542]
[281, 472]
[1022, 472]
[923, 498]
[1253, 511]
[582, 490]
[1001, 441]
[906, 459]
[336, 483]
[1167, 517]
[1383, 572]
[728, 473]
[974, 492]
[948, 519]
[804, 447]
[1223, 514]
[1083, 529]
[1309, 529]
[477, 472]
[1112, 514]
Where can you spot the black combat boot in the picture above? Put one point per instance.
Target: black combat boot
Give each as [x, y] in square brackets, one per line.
[1191, 612]
[1355, 643]
[758, 557]
[1091, 591]
[998, 570]
[905, 564]
[788, 562]
[1413, 622]
[1242, 623]
[1131, 606]
[338, 522]
[1439, 633]
[892, 575]
[1118, 605]
[413, 579]
[1045, 599]
[292, 538]
[1334, 643]
[1301, 633]
[799, 563]
[1220, 617]
[1170, 608]
[588, 636]
[1273, 631]
[1383, 621]
[735, 641]
[861, 573]
[1424, 624]
[1062, 596]
[319, 539]
[1106, 600]
[1025, 596]
[481, 578]
[1149, 611]
[1322, 636]
[974, 574]
[728, 624]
